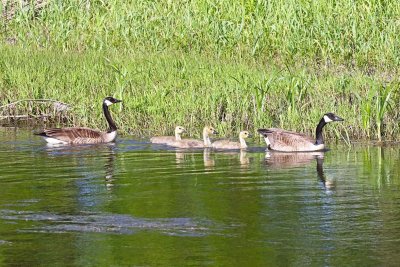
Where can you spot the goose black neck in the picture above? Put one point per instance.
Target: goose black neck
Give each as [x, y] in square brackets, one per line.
[111, 124]
[319, 139]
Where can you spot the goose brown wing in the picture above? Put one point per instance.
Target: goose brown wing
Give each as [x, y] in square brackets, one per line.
[283, 140]
[71, 134]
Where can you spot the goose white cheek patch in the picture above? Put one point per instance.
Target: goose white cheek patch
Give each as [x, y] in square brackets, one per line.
[108, 102]
[327, 119]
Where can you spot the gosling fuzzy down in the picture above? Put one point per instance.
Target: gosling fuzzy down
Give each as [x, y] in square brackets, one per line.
[169, 139]
[194, 143]
[226, 144]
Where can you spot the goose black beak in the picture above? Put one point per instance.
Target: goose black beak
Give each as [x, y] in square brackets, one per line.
[215, 132]
[117, 100]
[337, 118]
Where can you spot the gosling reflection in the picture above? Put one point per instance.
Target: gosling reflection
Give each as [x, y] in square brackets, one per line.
[209, 157]
[244, 159]
[179, 157]
[209, 162]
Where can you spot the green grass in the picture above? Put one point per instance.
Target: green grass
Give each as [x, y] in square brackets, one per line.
[236, 65]
[346, 32]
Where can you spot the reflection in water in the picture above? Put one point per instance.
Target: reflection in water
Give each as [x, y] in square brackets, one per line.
[179, 156]
[209, 157]
[79, 154]
[109, 168]
[244, 159]
[209, 161]
[282, 160]
[329, 184]
[93, 167]
[164, 206]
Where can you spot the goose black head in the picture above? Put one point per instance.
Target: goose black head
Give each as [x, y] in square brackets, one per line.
[109, 100]
[329, 117]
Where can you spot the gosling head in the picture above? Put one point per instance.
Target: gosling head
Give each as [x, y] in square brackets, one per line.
[179, 130]
[109, 100]
[329, 117]
[244, 134]
[209, 130]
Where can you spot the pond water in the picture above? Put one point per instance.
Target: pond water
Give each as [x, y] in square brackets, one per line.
[133, 203]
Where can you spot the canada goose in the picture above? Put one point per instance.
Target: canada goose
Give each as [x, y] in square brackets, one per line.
[226, 144]
[169, 139]
[80, 135]
[194, 143]
[282, 140]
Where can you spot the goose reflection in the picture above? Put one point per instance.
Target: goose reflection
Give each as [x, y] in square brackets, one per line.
[328, 184]
[79, 158]
[281, 160]
[109, 168]
[284, 160]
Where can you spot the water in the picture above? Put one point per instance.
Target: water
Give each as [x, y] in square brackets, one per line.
[133, 203]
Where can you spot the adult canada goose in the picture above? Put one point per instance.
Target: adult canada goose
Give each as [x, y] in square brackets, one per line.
[194, 143]
[80, 135]
[282, 140]
[169, 139]
[226, 144]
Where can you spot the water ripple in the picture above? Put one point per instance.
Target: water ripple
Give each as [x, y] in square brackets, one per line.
[112, 223]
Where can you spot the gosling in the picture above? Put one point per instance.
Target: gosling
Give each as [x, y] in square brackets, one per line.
[169, 139]
[226, 144]
[194, 143]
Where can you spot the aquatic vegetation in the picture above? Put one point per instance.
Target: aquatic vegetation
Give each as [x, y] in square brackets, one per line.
[382, 106]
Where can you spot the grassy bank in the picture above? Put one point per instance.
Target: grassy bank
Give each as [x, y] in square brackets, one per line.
[246, 65]
[162, 90]
[343, 32]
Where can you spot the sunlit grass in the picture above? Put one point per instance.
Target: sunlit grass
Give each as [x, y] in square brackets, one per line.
[345, 32]
[162, 90]
[237, 65]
